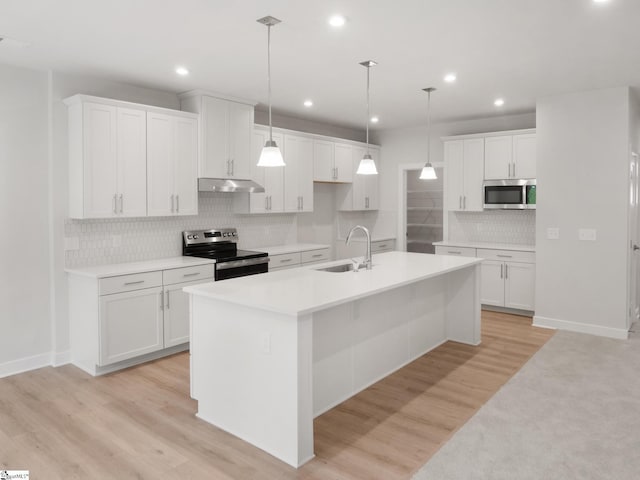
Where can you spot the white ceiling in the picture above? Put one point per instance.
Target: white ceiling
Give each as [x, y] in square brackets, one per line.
[516, 49]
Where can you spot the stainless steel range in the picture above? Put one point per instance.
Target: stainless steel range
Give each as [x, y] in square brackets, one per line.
[220, 244]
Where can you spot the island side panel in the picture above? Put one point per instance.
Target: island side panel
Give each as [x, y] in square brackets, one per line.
[252, 370]
[463, 305]
[359, 343]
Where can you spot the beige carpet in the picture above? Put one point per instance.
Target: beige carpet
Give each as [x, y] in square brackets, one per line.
[572, 412]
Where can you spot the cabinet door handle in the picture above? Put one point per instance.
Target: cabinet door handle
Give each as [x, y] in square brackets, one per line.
[460, 202]
[133, 283]
[115, 203]
[301, 203]
[285, 260]
[464, 202]
[270, 202]
[233, 166]
[121, 203]
[452, 252]
[168, 301]
[177, 203]
[382, 246]
[504, 256]
[172, 204]
[191, 274]
[501, 270]
[162, 300]
[506, 271]
[317, 255]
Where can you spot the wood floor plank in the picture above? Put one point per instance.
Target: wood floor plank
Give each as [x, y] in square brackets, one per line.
[61, 423]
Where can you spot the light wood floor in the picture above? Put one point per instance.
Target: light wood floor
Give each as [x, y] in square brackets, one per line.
[61, 423]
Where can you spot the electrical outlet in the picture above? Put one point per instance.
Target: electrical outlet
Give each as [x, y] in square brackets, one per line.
[587, 234]
[116, 240]
[266, 343]
[553, 233]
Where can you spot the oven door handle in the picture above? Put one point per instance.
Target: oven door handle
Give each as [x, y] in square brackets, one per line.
[242, 263]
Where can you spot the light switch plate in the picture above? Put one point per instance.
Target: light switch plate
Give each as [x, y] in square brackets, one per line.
[587, 234]
[553, 233]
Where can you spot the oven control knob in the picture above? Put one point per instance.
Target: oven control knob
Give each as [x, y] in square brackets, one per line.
[195, 237]
[235, 234]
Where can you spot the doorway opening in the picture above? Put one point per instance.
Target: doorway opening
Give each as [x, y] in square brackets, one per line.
[421, 210]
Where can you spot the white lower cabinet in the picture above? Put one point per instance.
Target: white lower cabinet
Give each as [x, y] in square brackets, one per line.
[122, 318]
[130, 324]
[358, 248]
[296, 259]
[508, 278]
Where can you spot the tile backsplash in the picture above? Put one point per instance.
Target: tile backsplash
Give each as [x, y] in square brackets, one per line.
[129, 240]
[497, 226]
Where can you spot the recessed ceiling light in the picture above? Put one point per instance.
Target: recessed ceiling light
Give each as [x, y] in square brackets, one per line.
[450, 77]
[498, 102]
[182, 71]
[375, 119]
[337, 21]
[308, 103]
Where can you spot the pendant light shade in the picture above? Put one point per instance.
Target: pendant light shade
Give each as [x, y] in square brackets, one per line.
[271, 156]
[428, 172]
[367, 166]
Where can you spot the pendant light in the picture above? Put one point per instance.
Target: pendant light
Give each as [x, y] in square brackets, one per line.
[367, 166]
[428, 172]
[270, 155]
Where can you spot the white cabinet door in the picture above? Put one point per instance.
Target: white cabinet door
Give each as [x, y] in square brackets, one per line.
[473, 173]
[343, 163]
[274, 180]
[185, 165]
[298, 174]
[172, 159]
[520, 285]
[160, 139]
[454, 173]
[132, 162]
[215, 161]
[240, 130]
[373, 182]
[99, 151]
[130, 324]
[498, 157]
[492, 283]
[323, 161]
[524, 155]
[176, 314]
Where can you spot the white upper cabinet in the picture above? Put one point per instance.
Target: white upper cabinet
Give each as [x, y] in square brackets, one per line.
[226, 132]
[107, 160]
[362, 194]
[510, 156]
[332, 162]
[172, 153]
[125, 157]
[298, 174]
[464, 170]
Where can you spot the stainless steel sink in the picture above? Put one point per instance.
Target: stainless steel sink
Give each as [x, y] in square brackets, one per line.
[345, 267]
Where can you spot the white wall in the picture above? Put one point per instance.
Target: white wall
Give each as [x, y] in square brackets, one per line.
[408, 146]
[25, 330]
[582, 169]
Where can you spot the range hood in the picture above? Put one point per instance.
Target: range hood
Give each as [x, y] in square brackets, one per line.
[228, 185]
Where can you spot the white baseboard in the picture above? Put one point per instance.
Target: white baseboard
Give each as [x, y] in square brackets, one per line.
[60, 358]
[546, 322]
[25, 364]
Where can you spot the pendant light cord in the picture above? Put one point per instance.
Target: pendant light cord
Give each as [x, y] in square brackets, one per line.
[368, 68]
[269, 78]
[429, 127]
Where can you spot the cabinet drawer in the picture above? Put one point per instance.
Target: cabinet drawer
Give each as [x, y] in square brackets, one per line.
[127, 283]
[382, 246]
[507, 255]
[284, 260]
[460, 251]
[314, 256]
[187, 274]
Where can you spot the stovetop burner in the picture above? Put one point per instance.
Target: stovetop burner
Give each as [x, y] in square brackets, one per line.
[217, 244]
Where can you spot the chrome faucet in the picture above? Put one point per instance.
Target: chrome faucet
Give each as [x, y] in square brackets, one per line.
[367, 257]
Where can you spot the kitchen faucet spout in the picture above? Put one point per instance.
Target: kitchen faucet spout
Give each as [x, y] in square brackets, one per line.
[367, 257]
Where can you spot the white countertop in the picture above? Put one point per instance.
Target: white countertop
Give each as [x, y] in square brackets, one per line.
[304, 290]
[290, 248]
[495, 246]
[115, 269]
[362, 238]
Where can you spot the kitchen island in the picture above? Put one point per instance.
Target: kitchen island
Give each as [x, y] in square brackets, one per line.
[270, 352]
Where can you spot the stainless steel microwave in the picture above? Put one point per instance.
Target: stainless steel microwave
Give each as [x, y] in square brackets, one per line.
[509, 194]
